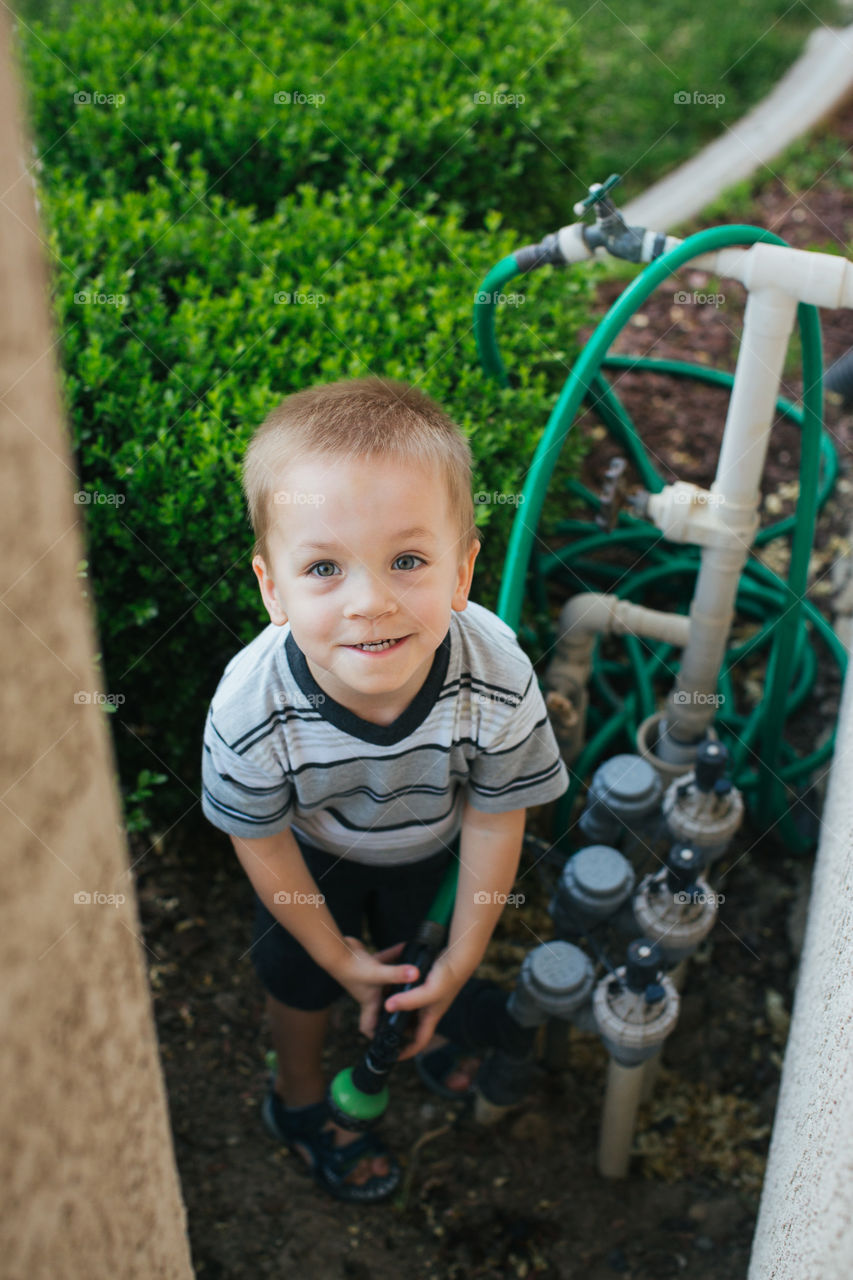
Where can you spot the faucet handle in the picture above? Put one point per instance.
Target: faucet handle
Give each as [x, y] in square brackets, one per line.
[613, 494]
[598, 192]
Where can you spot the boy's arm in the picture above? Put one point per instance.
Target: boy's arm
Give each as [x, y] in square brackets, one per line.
[489, 853]
[277, 870]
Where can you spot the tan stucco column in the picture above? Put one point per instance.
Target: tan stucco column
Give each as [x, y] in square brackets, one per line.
[87, 1172]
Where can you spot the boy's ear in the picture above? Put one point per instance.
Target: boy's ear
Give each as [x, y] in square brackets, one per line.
[463, 581]
[269, 594]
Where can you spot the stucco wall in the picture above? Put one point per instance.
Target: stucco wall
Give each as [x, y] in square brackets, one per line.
[87, 1176]
[805, 1224]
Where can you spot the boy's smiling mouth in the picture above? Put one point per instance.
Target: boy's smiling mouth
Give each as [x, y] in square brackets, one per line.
[378, 646]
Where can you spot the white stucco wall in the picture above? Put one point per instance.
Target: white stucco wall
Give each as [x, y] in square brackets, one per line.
[805, 1223]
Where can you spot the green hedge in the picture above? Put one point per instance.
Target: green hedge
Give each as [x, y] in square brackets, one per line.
[399, 84]
[164, 389]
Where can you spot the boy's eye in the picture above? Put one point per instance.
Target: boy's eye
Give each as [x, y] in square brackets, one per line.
[323, 569]
[407, 561]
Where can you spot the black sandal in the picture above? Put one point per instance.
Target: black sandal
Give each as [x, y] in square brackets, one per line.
[302, 1131]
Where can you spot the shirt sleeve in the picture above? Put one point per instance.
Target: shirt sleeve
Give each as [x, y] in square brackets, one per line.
[519, 764]
[236, 795]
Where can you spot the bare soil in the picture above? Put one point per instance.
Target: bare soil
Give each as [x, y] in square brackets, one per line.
[523, 1198]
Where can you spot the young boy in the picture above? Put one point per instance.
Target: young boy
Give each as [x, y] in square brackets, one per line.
[378, 727]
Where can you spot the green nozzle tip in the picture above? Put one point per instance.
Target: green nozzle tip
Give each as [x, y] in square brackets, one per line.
[350, 1100]
[271, 1060]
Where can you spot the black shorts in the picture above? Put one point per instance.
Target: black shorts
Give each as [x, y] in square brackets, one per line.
[393, 901]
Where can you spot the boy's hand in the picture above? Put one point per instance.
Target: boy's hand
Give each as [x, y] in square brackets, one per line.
[364, 977]
[432, 999]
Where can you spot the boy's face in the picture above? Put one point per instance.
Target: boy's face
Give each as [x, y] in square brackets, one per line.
[365, 551]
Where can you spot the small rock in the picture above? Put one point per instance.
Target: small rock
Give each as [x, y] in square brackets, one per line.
[227, 1004]
[532, 1129]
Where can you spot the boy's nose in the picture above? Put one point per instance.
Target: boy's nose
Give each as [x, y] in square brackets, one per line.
[369, 597]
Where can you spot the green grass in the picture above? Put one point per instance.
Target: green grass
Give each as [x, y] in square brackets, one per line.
[641, 55]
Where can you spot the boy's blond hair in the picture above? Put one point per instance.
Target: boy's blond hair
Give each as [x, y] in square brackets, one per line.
[359, 418]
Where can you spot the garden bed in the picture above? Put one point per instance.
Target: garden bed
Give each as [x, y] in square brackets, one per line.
[523, 1198]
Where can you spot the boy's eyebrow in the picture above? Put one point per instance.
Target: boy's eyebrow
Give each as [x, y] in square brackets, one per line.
[416, 532]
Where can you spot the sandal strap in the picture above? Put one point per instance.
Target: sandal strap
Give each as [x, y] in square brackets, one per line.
[336, 1162]
[342, 1159]
[301, 1123]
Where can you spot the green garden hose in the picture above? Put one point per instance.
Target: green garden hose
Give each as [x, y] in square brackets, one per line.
[764, 764]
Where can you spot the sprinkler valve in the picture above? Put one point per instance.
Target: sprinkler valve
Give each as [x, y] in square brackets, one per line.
[555, 980]
[676, 907]
[704, 809]
[624, 796]
[637, 1008]
[593, 885]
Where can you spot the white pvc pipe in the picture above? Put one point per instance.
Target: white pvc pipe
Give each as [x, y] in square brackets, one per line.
[768, 321]
[592, 613]
[621, 1100]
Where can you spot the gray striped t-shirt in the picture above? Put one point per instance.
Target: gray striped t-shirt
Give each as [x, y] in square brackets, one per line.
[278, 751]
